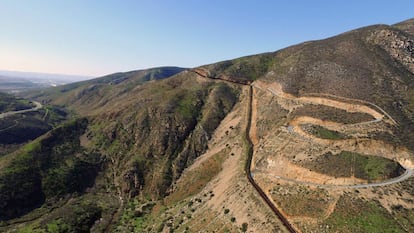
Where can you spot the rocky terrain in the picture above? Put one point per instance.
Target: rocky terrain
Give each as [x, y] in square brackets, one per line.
[316, 137]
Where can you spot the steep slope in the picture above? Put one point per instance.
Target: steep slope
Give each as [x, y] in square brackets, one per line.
[11, 103]
[22, 120]
[143, 143]
[42, 170]
[367, 68]
[172, 152]
[374, 64]
[172, 126]
[380, 71]
[317, 156]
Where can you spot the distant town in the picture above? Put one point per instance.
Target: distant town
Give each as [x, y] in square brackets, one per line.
[15, 82]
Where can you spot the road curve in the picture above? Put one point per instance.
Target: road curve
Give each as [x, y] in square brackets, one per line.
[249, 144]
[37, 107]
[293, 127]
[407, 174]
[377, 117]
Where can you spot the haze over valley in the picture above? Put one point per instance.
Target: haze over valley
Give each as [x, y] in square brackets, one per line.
[14, 82]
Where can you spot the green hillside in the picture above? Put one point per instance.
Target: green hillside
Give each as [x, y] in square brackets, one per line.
[11, 103]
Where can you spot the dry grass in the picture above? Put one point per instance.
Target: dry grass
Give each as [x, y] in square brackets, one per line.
[347, 164]
[298, 200]
[327, 113]
[195, 180]
[356, 215]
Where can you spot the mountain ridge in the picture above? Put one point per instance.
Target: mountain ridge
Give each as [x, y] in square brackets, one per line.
[115, 84]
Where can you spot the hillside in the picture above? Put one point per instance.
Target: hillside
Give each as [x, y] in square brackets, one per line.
[11, 103]
[97, 93]
[316, 137]
[22, 120]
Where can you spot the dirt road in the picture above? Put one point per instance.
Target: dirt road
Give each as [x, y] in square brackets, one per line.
[37, 107]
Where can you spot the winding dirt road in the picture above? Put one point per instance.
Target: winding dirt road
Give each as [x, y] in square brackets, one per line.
[367, 146]
[407, 174]
[37, 107]
[349, 105]
[249, 143]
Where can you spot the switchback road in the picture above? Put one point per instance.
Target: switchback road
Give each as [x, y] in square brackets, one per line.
[37, 107]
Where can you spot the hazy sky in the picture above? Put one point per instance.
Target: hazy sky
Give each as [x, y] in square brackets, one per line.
[97, 37]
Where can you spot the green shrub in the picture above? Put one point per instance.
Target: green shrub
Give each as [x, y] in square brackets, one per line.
[244, 227]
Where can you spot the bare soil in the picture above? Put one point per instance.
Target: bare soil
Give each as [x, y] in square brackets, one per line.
[232, 200]
[283, 146]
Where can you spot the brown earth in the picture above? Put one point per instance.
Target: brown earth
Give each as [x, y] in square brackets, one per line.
[280, 149]
[230, 188]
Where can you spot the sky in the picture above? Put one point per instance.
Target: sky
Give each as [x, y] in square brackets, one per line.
[99, 37]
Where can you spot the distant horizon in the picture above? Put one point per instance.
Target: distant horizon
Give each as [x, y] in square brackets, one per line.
[23, 74]
[95, 38]
[28, 74]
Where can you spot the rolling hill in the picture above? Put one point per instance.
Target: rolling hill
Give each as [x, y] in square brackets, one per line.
[95, 93]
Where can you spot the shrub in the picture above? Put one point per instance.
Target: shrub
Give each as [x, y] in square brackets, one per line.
[244, 227]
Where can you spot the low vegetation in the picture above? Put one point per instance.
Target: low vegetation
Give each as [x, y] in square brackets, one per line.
[324, 133]
[327, 113]
[21, 128]
[50, 167]
[347, 164]
[142, 135]
[405, 216]
[356, 215]
[194, 181]
[243, 69]
[79, 217]
[11, 103]
[301, 201]
[177, 119]
[88, 95]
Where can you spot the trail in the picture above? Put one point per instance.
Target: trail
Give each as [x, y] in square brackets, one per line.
[407, 174]
[276, 90]
[16, 122]
[249, 144]
[37, 107]
[347, 104]
[365, 146]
